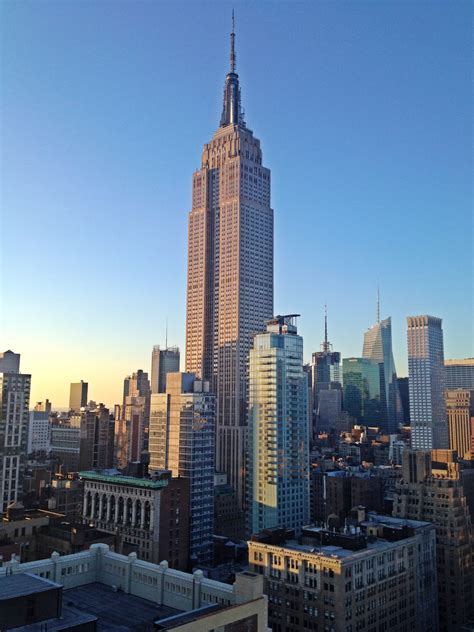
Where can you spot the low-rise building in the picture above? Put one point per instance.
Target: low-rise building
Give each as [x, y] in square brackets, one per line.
[149, 516]
[377, 575]
[123, 592]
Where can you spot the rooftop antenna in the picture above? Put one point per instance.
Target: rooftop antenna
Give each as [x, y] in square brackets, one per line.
[378, 305]
[232, 44]
[166, 339]
[326, 346]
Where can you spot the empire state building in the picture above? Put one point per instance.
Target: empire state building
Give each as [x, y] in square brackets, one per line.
[230, 271]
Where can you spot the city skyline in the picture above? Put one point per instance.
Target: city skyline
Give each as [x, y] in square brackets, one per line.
[51, 339]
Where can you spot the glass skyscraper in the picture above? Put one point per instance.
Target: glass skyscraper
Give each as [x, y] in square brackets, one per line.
[278, 445]
[361, 379]
[378, 347]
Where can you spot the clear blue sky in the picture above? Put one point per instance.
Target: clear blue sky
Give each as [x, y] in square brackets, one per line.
[364, 112]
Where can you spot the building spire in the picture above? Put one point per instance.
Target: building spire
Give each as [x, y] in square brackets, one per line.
[378, 305]
[326, 346]
[325, 325]
[232, 45]
[231, 111]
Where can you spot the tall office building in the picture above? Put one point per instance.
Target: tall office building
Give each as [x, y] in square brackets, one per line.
[182, 439]
[460, 373]
[434, 487]
[78, 395]
[326, 375]
[230, 271]
[362, 389]
[378, 347]
[163, 361]
[132, 419]
[426, 373]
[278, 446]
[14, 417]
[460, 411]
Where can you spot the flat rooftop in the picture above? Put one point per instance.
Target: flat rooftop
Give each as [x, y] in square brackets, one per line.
[115, 611]
[22, 584]
[108, 476]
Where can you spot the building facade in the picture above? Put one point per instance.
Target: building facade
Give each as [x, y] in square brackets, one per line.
[163, 361]
[84, 440]
[460, 421]
[278, 447]
[230, 271]
[39, 432]
[460, 373]
[78, 395]
[14, 417]
[150, 517]
[378, 348]
[133, 419]
[182, 439]
[378, 575]
[432, 488]
[426, 383]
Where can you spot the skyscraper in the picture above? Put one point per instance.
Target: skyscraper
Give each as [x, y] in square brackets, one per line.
[325, 376]
[14, 417]
[378, 347]
[230, 270]
[78, 395]
[131, 427]
[182, 439]
[163, 361]
[278, 451]
[426, 383]
[362, 389]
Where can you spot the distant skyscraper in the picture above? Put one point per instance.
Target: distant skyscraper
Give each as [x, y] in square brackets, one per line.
[182, 439]
[78, 395]
[460, 373]
[14, 417]
[426, 383]
[131, 428]
[230, 271]
[325, 376]
[44, 407]
[460, 413]
[278, 451]
[378, 348]
[163, 361]
[362, 389]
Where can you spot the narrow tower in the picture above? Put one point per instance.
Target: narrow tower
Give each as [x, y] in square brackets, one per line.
[230, 270]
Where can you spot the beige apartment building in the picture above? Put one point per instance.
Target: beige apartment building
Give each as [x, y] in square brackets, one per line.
[378, 574]
[460, 422]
